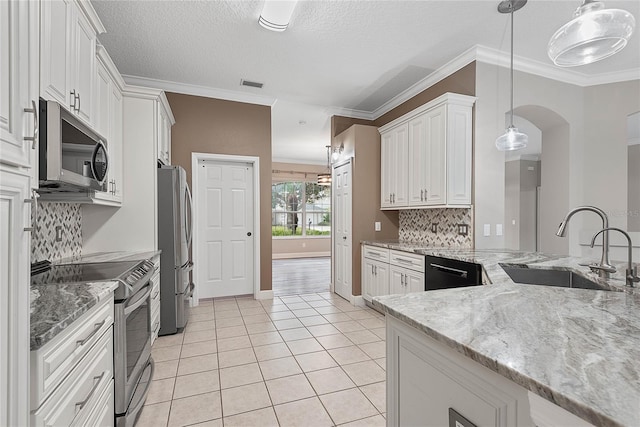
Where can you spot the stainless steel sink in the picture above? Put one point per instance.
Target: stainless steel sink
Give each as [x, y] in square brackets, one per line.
[549, 277]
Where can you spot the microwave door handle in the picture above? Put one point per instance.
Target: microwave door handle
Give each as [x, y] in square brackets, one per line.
[99, 145]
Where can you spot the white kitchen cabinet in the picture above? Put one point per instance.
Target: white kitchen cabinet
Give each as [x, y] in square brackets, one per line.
[165, 121]
[375, 278]
[434, 170]
[19, 67]
[431, 378]
[394, 158]
[386, 271]
[109, 125]
[69, 30]
[134, 225]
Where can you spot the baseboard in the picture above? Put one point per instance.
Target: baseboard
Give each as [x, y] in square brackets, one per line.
[357, 300]
[301, 255]
[268, 294]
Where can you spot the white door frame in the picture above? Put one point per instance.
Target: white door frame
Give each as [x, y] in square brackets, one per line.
[255, 161]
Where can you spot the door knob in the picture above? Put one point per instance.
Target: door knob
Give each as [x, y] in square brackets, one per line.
[249, 233]
[344, 237]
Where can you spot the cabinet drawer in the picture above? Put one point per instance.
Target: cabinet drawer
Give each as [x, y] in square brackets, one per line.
[53, 362]
[155, 325]
[374, 252]
[77, 396]
[407, 260]
[102, 411]
[155, 295]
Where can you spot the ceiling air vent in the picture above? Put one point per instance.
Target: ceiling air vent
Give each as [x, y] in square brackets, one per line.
[244, 82]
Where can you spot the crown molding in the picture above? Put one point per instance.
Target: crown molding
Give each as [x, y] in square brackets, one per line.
[441, 73]
[348, 112]
[209, 92]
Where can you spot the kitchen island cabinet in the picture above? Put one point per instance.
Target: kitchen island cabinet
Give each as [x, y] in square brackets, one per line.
[512, 354]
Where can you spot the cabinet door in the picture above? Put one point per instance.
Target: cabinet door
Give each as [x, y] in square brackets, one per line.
[418, 161]
[14, 295]
[116, 141]
[367, 279]
[84, 63]
[396, 280]
[381, 278]
[459, 154]
[103, 98]
[386, 169]
[163, 136]
[435, 165]
[55, 55]
[15, 123]
[400, 165]
[414, 282]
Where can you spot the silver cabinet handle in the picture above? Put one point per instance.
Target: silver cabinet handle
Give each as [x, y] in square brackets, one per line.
[78, 110]
[155, 294]
[34, 201]
[73, 98]
[96, 328]
[422, 195]
[404, 261]
[33, 138]
[425, 195]
[96, 383]
[401, 279]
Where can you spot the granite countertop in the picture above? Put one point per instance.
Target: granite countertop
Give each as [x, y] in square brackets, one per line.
[56, 306]
[578, 348]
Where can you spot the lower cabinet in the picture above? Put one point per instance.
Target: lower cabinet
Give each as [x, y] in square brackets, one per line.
[388, 271]
[426, 381]
[72, 375]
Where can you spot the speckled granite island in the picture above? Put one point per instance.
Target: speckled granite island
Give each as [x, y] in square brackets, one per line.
[577, 348]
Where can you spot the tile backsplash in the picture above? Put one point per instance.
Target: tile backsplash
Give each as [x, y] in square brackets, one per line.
[416, 226]
[62, 220]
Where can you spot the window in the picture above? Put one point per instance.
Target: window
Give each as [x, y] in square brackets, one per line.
[300, 209]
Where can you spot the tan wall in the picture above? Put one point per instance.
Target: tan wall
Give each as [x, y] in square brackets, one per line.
[341, 123]
[207, 125]
[462, 81]
[363, 143]
[298, 247]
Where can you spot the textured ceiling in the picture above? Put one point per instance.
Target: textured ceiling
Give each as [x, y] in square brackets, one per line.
[346, 54]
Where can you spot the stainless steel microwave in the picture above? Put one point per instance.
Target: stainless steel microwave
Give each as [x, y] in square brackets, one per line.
[72, 157]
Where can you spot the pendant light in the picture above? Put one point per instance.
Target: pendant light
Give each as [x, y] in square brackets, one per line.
[325, 178]
[512, 139]
[593, 34]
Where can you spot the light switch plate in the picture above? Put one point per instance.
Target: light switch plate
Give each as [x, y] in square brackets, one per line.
[487, 230]
[377, 226]
[498, 229]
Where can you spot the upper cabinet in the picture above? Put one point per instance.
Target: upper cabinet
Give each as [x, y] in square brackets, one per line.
[426, 156]
[69, 31]
[165, 121]
[109, 124]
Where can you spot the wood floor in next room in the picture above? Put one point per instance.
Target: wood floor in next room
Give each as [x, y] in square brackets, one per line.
[301, 275]
[301, 360]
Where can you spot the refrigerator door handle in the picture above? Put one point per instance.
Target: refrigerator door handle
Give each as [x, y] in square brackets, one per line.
[188, 219]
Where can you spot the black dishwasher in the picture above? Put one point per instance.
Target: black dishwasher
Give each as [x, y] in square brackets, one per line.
[446, 273]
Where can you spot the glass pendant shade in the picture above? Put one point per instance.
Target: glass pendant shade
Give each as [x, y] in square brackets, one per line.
[595, 33]
[512, 140]
[324, 179]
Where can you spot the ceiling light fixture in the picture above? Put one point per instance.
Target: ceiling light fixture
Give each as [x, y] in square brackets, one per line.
[593, 34]
[511, 139]
[276, 14]
[325, 178]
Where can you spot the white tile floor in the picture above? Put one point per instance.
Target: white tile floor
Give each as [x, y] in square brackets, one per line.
[299, 360]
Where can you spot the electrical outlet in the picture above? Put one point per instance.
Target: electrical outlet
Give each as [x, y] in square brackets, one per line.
[377, 226]
[463, 229]
[58, 233]
[434, 227]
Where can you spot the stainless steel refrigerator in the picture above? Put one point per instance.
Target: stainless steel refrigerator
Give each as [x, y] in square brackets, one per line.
[175, 230]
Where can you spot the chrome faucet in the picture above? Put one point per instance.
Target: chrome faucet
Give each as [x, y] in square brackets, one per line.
[632, 270]
[604, 267]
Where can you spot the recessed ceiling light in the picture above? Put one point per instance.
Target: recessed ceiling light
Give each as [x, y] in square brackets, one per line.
[276, 14]
[249, 83]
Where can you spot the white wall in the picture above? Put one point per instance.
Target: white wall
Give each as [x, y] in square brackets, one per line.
[595, 159]
[492, 91]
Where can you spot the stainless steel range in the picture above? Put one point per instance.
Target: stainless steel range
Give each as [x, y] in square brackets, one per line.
[133, 365]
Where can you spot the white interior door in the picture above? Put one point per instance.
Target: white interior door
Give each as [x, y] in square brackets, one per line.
[342, 199]
[225, 228]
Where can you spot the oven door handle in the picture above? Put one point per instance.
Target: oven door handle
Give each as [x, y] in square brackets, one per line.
[128, 310]
[141, 402]
[449, 270]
